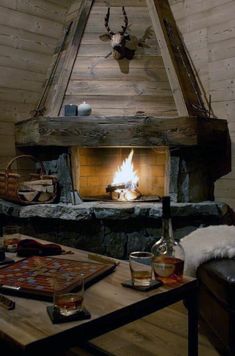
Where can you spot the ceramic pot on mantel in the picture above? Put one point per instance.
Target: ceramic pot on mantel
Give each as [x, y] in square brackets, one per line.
[84, 109]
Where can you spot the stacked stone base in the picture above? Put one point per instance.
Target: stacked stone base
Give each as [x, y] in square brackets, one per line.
[113, 229]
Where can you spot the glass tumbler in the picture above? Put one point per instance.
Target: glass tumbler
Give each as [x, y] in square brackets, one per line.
[141, 267]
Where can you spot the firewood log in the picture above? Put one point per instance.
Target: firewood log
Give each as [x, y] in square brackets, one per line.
[28, 196]
[38, 185]
[39, 182]
[44, 196]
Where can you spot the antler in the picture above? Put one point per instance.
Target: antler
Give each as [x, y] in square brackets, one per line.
[106, 22]
[125, 21]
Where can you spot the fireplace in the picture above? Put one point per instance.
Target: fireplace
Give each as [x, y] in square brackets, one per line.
[182, 156]
[178, 155]
[95, 168]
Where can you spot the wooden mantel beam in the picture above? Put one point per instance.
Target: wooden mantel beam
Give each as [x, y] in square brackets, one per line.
[138, 131]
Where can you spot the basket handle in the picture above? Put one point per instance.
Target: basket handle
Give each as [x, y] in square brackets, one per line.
[8, 168]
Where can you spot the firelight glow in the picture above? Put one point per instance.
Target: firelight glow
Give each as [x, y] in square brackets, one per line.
[126, 174]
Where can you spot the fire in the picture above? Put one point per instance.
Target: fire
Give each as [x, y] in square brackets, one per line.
[125, 182]
[126, 174]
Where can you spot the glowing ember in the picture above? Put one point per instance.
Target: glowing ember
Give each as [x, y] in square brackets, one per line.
[126, 174]
[125, 182]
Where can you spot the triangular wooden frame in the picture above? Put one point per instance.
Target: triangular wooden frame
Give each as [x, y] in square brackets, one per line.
[184, 86]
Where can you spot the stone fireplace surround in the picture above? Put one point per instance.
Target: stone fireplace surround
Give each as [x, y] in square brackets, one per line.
[199, 148]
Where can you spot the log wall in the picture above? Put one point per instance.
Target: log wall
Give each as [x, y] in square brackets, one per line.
[29, 33]
[208, 28]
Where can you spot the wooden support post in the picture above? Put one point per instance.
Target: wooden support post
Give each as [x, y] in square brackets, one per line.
[179, 69]
[64, 69]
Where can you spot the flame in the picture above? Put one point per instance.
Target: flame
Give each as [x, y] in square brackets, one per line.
[126, 174]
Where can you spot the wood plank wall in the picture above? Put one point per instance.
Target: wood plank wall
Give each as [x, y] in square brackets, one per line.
[208, 28]
[29, 33]
[120, 87]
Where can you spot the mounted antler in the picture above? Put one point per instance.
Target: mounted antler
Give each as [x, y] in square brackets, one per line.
[123, 44]
[118, 39]
[106, 23]
[125, 20]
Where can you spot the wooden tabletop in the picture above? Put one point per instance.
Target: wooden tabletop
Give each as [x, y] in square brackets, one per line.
[28, 327]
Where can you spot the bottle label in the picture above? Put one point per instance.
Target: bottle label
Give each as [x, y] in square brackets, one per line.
[163, 269]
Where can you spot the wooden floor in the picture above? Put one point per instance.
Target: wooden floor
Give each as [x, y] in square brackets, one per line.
[163, 333]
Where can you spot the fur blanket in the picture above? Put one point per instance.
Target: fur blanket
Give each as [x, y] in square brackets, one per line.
[207, 243]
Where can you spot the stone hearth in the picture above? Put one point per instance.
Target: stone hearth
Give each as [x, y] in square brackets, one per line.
[113, 229]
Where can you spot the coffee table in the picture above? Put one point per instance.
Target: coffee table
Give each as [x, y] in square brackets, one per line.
[28, 330]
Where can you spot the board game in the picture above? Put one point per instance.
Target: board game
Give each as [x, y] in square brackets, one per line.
[34, 276]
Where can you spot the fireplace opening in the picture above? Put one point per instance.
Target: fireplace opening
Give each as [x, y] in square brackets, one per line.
[124, 186]
[98, 173]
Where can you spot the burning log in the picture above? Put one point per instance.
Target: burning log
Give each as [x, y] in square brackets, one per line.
[112, 187]
[123, 192]
[125, 183]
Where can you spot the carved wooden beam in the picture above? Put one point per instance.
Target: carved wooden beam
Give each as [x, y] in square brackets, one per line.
[122, 131]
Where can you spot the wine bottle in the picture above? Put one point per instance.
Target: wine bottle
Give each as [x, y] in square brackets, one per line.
[168, 262]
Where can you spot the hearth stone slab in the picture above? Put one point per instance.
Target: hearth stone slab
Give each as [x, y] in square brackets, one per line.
[113, 229]
[104, 211]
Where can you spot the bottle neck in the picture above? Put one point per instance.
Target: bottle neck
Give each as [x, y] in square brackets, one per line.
[167, 232]
[1, 237]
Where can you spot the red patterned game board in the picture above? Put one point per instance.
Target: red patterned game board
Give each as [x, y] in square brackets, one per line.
[33, 276]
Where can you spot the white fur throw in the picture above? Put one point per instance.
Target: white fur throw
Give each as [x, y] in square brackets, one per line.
[207, 243]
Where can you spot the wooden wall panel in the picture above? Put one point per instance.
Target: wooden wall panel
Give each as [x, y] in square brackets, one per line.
[30, 30]
[31, 63]
[14, 111]
[7, 141]
[25, 40]
[122, 87]
[208, 28]
[38, 8]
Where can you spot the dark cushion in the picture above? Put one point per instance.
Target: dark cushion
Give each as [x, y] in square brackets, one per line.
[30, 247]
[219, 278]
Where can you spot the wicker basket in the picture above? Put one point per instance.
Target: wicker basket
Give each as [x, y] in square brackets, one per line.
[11, 181]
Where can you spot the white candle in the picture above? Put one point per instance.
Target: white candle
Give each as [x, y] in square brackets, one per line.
[84, 109]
